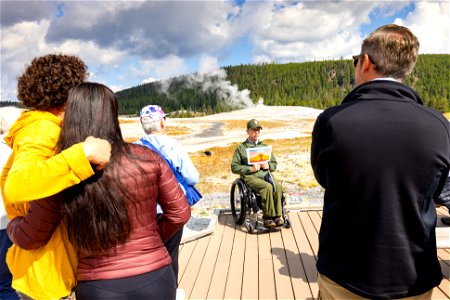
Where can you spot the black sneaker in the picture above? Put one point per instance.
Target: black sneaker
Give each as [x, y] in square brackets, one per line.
[445, 221]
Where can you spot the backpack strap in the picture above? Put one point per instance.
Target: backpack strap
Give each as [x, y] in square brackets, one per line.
[192, 194]
[177, 174]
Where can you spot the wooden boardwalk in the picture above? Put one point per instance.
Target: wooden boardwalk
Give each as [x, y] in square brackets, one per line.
[231, 264]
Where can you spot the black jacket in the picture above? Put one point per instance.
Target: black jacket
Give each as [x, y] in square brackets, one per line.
[382, 158]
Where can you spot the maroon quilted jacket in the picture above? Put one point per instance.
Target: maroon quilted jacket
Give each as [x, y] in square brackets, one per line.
[144, 251]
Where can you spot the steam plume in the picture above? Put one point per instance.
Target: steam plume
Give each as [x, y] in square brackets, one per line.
[215, 81]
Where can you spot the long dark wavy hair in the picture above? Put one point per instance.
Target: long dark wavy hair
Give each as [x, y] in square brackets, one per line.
[96, 212]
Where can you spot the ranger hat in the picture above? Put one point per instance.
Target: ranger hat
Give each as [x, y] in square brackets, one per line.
[253, 124]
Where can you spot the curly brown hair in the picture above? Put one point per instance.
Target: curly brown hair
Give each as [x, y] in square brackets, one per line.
[46, 82]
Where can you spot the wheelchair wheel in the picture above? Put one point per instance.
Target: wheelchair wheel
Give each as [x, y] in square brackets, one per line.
[250, 227]
[287, 223]
[237, 201]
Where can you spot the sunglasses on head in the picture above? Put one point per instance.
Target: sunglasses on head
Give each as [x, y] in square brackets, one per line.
[357, 57]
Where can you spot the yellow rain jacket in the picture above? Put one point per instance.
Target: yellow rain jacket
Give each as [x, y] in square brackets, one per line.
[33, 171]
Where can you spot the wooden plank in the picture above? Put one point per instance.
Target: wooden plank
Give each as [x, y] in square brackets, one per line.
[444, 260]
[232, 264]
[442, 210]
[438, 294]
[184, 258]
[297, 274]
[444, 288]
[190, 274]
[444, 257]
[266, 280]
[266, 277]
[316, 220]
[203, 281]
[251, 268]
[233, 287]
[442, 230]
[310, 231]
[220, 274]
[283, 283]
[442, 236]
[306, 251]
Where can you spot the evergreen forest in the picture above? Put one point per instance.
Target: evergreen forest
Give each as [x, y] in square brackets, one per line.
[10, 103]
[318, 84]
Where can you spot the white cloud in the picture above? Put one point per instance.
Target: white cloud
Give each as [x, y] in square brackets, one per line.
[149, 29]
[116, 88]
[20, 43]
[149, 80]
[208, 64]
[317, 30]
[305, 31]
[160, 34]
[430, 22]
[169, 66]
[24, 41]
[127, 42]
[150, 69]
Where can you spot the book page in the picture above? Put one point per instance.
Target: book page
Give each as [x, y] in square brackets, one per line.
[259, 155]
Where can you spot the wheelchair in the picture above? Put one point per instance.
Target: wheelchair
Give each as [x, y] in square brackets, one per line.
[245, 204]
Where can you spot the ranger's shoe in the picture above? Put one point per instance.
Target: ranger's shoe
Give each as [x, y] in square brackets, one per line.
[279, 221]
[269, 223]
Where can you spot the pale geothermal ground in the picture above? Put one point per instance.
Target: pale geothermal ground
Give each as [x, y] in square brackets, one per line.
[287, 129]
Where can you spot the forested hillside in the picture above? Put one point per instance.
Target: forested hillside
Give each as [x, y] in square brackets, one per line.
[9, 103]
[314, 84]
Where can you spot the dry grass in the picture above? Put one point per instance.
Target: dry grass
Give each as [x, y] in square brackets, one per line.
[137, 132]
[294, 170]
[128, 120]
[293, 157]
[215, 170]
[177, 130]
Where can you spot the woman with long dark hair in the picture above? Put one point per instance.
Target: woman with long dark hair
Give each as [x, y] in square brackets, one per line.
[111, 218]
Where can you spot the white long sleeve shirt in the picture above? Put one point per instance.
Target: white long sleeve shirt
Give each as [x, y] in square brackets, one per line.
[174, 152]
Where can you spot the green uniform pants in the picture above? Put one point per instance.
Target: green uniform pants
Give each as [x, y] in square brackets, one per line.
[271, 204]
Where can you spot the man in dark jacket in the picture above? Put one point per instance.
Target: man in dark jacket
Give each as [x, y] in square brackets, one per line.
[382, 158]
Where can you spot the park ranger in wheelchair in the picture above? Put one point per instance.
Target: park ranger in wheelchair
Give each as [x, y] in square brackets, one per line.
[258, 176]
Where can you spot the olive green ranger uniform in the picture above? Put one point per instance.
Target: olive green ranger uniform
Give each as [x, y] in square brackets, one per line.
[270, 200]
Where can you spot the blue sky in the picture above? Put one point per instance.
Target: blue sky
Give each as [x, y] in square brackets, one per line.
[127, 43]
